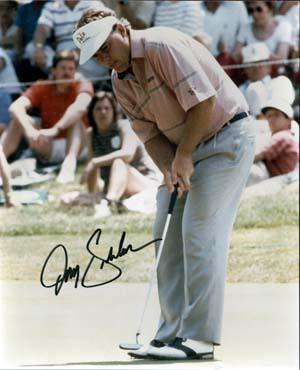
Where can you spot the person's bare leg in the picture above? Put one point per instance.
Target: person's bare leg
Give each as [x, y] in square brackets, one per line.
[136, 182]
[75, 143]
[117, 180]
[92, 181]
[125, 180]
[11, 139]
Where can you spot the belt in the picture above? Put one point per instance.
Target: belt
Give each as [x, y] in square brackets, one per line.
[237, 117]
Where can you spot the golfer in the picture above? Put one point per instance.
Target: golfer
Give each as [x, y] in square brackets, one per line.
[194, 123]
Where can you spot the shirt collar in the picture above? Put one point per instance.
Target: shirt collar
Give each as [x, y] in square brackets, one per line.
[137, 47]
[137, 51]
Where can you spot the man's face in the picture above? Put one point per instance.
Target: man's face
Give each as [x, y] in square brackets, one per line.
[64, 70]
[115, 52]
[277, 120]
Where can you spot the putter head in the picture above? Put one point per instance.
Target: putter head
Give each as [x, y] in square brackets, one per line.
[130, 346]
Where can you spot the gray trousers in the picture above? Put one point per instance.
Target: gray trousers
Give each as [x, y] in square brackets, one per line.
[192, 270]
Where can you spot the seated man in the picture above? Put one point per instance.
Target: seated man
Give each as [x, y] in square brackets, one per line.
[62, 105]
[281, 155]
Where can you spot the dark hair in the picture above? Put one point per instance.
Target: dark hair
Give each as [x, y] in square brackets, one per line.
[102, 95]
[71, 55]
[271, 5]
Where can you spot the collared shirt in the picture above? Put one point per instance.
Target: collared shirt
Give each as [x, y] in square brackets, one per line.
[173, 73]
[62, 20]
[224, 24]
[175, 14]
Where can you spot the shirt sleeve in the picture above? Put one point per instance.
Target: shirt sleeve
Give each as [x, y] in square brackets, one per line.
[243, 33]
[284, 31]
[19, 17]
[46, 16]
[34, 94]
[181, 71]
[85, 86]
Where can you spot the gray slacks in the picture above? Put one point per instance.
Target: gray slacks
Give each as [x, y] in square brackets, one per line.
[192, 270]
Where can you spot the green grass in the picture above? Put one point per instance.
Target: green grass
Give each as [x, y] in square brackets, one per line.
[264, 245]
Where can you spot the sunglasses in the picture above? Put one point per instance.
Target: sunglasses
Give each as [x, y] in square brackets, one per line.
[257, 9]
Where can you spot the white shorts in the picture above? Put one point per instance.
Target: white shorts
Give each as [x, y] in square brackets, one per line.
[58, 151]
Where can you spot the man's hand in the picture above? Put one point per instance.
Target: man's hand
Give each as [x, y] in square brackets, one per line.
[33, 135]
[50, 132]
[88, 171]
[182, 170]
[40, 57]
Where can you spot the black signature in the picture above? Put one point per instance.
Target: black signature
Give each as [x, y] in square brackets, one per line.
[74, 272]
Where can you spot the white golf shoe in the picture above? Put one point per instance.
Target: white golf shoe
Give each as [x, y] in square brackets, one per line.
[183, 349]
[147, 349]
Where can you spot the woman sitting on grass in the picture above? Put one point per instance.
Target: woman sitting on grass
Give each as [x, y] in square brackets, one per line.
[117, 155]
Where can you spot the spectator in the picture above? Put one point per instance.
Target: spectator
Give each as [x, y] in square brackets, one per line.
[259, 86]
[281, 155]
[8, 78]
[275, 33]
[289, 10]
[184, 16]
[222, 20]
[5, 175]
[5, 101]
[62, 106]
[8, 29]
[26, 20]
[138, 13]
[61, 17]
[116, 154]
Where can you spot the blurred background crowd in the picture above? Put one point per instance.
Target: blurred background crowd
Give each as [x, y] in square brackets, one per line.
[58, 112]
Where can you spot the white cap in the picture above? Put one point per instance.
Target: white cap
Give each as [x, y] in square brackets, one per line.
[256, 52]
[283, 88]
[90, 37]
[280, 104]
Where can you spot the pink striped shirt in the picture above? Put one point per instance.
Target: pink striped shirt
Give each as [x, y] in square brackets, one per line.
[173, 73]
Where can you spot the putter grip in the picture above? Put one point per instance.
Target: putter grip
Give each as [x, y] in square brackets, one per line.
[173, 200]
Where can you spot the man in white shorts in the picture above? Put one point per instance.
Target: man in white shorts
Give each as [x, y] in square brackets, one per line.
[59, 139]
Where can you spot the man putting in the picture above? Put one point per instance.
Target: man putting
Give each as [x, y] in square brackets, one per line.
[194, 123]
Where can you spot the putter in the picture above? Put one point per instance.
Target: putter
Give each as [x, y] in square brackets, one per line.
[137, 345]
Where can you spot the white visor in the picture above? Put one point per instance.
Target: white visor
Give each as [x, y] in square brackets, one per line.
[90, 37]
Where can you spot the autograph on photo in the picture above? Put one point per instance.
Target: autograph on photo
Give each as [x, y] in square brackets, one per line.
[70, 273]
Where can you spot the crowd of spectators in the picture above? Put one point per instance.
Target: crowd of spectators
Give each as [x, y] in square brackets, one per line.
[254, 41]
